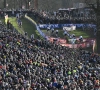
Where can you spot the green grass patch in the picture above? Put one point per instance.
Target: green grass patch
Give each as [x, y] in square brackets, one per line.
[60, 34]
[85, 34]
[29, 27]
[78, 32]
[34, 29]
[13, 21]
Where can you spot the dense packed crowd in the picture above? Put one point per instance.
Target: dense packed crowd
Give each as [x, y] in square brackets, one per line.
[63, 17]
[56, 17]
[34, 64]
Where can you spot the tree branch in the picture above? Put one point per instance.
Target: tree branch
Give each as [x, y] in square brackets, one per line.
[92, 6]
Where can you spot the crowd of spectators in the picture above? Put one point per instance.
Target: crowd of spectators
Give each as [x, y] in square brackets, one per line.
[34, 64]
[57, 17]
[63, 17]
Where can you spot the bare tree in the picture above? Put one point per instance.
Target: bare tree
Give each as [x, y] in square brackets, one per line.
[5, 3]
[49, 5]
[95, 5]
[35, 4]
[27, 3]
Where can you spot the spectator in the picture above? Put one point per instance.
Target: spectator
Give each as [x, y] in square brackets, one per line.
[41, 65]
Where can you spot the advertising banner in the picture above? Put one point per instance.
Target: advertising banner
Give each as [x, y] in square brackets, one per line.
[69, 28]
[44, 26]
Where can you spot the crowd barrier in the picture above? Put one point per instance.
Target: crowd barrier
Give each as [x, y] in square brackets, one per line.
[44, 26]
